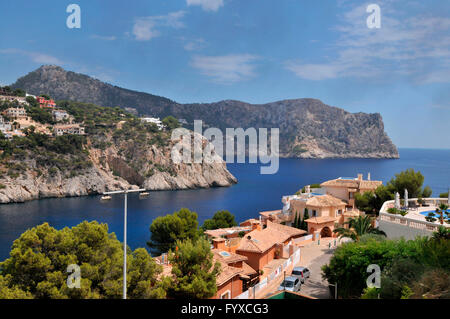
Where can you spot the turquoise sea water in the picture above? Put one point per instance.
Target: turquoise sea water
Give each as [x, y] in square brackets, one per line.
[252, 194]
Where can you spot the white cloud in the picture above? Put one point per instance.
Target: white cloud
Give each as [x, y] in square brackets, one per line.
[226, 69]
[417, 47]
[145, 28]
[207, 5]
[194, 45]
[313, 71]
[37, 57]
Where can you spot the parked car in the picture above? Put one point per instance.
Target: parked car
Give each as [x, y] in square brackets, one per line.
[291, 283]
[301, 272]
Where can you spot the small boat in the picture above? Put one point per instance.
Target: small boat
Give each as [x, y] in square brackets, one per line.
[143, 194]
[107, 197]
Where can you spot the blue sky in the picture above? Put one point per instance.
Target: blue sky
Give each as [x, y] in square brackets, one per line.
[252, 50]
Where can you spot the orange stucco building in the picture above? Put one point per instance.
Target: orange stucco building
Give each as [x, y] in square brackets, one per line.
[235, 276]
[261, 246]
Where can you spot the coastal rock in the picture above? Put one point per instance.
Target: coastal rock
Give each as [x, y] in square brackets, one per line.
[100, 178]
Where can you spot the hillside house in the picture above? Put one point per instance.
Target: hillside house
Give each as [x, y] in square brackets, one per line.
[235, 276]
[15, 113]
[60, 115]
[261, 246]
[231, 232]
[11, 98]
[4, 126]
[154, 120]
[61, 129]
[44, 103]
[345, 188]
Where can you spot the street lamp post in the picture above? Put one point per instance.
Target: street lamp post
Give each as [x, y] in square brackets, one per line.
[335, 290]
[125, 192]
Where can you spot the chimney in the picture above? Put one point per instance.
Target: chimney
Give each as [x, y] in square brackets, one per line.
[219, 243]
[360, 177]
[256, 225]
[368, 176]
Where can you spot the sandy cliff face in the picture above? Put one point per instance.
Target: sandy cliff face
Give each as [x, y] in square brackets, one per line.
[112, 171]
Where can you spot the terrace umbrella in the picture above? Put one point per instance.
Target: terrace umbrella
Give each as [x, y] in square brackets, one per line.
[406, 198]
[397, 200]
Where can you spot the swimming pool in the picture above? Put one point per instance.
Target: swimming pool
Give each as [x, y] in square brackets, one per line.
[433, 211]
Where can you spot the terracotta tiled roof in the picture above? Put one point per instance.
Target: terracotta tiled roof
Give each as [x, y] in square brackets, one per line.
[370, 184]
[271, 212]
[289, 231]
[227, 257]
[352, 183]
[321, 219]
[227, 272]
[262, 240]
[248, 270]
[251, 221]
[351, 213]
[226, 231]
[324, 201]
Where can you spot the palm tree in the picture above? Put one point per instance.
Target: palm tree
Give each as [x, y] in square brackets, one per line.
[442, 233]
[440, 212]
[357, 227]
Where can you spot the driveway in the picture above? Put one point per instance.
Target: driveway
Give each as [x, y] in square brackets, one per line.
[315, 286]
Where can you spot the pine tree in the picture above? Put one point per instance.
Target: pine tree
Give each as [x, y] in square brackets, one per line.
[304, 224]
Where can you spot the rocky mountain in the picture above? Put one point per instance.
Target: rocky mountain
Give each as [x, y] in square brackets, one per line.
[117, 153]
[308, 127]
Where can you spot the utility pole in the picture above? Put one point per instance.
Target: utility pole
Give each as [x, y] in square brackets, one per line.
[125, 192]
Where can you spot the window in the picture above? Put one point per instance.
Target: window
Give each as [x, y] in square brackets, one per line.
[226, 295]
[287, 284]
[339, 212]
[314, 213]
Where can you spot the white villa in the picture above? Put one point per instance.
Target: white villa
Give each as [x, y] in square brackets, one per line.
[4, 126]
[154, 120]
[61, 129]
[60, 115]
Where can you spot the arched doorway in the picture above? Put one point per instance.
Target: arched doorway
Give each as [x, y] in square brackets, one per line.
[326, 232]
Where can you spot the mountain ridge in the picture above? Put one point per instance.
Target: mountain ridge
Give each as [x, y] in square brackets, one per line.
[308, 127]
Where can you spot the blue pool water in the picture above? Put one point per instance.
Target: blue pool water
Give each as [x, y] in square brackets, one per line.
[433, 211]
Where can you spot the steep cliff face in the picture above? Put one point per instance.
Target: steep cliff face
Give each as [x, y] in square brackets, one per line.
[112, 171]
[308, 127]
[118, 152]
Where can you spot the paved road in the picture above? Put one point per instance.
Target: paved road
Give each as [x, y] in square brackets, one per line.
[315, 286]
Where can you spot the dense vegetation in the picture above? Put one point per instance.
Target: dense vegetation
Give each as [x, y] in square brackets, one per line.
[221, 219]
[407, 267]
[13, 92]
[66, 153]
[167, 230]
[69, 153]
[300, 222]
[358, 227]
[193, 270]
[38, 262]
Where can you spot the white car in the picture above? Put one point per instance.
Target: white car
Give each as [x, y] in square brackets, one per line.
[291, 283]
[301, 272]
